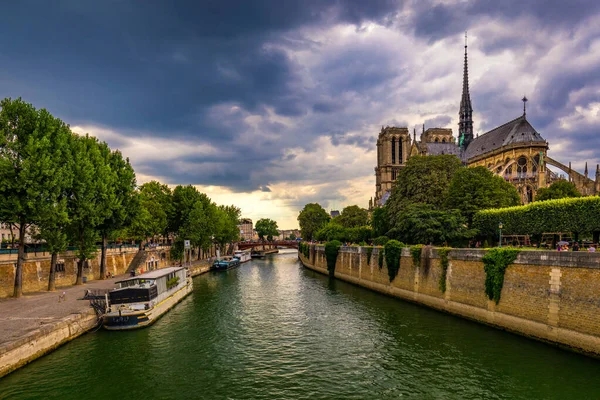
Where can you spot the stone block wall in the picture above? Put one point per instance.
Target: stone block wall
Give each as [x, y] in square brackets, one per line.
[36, 270]
[550, 296]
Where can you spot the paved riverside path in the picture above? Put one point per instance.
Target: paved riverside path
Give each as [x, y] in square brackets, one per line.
[19, 317]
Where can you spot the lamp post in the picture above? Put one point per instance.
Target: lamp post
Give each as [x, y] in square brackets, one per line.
[500, 229]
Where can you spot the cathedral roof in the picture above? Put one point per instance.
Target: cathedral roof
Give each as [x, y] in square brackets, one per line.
[518, 130]
[436, 149]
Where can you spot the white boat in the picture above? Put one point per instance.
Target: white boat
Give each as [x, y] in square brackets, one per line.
[142, 299]
[242, 255]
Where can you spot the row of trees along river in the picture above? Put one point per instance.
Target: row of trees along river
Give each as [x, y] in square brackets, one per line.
[435, 200]
[74, 190]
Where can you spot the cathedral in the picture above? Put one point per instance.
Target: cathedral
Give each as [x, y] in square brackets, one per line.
[514, 151]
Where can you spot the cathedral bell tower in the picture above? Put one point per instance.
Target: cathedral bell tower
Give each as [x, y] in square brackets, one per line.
[465, 124]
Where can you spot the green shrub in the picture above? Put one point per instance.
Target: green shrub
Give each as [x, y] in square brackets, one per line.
[393, 252]
[369, 253]
[380, 241]
[495, 263]
[415, 252]
[172, 282]
[443, 252]
[486, 244]
[562, 215]
[331, 252]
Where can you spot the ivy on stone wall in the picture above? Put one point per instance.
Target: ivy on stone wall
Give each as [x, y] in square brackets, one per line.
[380, 258]
[304, 249]
[331, 252]
[393, 252]
[415, 252]
[443, 253]
[495, 263]
[369, 253]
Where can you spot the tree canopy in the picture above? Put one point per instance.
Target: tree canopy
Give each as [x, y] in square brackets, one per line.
[312, 218]
[477, 188]
[558, 190]
[353, 217]
[266, 228]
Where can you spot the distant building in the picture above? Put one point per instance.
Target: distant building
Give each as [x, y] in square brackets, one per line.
[6, 234]
[246, 229]
[515, 151]
[334, 213]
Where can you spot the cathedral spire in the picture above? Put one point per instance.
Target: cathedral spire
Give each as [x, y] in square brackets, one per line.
[465, 124]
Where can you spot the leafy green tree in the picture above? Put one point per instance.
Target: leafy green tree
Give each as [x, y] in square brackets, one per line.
[266, 228]
[292, 236]
[119, 203]
[423, 180]
[558, 190]
[380, 221]
[312, 218]
[353, 217]
[332, 231]
[30, 169]
[422, 224]
[475, 189]
[53, 221]
[91, 177]
[158, 199]
[227, 221]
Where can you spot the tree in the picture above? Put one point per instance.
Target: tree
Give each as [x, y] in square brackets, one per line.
[332, 231]
[558, 190]
[118, 202]
[312, 218]
[158, 199]
[30, 169]
[91, 177]
[266, 228]
[423, 180]
[292, 236]
[353, 217]
[422, 224]
[227, 221]
[380, 221]
[475, 189]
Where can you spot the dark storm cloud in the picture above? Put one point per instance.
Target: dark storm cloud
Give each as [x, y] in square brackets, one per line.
[227, 74]
[438, 21]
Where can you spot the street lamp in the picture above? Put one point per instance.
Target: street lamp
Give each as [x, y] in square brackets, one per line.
[500, 229]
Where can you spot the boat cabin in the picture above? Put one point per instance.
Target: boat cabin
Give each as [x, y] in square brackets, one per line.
[152, 286]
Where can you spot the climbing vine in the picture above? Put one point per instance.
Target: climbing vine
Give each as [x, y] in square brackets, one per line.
[393, 251]
[380, 258]
[369, 253]
[415, 252]
[495, 263]
[331, 252]
[443, 253]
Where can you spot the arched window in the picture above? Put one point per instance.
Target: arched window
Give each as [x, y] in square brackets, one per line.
[528, 194]
[522, 167]
[444, 140]
[393, 150]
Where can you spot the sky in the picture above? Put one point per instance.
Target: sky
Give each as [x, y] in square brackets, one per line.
[273, 104]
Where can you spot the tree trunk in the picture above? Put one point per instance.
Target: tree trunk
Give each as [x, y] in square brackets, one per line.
[52, 276]
[103, 256]
[596, 237]
[263, 244]
[18, 292]
[79, 280]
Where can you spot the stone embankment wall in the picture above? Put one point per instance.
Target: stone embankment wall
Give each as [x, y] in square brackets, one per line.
[549, 296]
[42, 341]
[36, 268]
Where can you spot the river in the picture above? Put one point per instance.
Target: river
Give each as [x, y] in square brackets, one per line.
[272, 329]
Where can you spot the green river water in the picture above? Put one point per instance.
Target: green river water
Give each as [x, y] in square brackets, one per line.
[272, 329]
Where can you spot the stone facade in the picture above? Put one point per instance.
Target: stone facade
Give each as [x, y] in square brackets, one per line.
[246, 229]
[548, 296]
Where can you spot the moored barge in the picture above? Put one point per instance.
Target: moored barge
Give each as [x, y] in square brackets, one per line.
[141, 300]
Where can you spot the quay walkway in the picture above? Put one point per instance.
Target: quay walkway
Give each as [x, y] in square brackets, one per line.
[37, 323]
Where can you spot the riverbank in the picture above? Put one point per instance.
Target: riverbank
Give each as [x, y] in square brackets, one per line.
[548, 296]
[38, 323]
